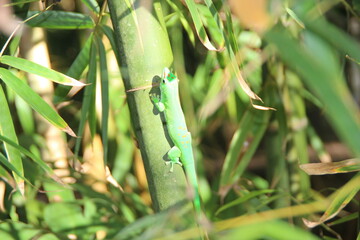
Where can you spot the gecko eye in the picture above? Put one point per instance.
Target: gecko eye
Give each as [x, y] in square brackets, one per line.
[163, 80]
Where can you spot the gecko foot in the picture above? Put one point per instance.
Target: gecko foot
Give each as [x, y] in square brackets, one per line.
[172, 162]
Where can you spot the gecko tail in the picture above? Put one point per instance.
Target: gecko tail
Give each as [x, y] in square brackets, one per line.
[201, 220]
[192, 180]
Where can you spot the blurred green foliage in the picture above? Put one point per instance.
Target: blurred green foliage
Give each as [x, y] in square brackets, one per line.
[295, 55]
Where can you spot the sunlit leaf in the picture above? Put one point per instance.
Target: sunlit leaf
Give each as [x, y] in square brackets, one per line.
[89, 97]
[199, 26]
[183, 21]
[34, 100]
[104, 76]
[31, 67]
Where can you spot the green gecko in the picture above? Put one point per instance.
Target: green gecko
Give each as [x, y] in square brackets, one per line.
[169, 103]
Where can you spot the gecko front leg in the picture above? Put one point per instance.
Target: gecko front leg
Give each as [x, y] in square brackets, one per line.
[157, 102]
[174, 156]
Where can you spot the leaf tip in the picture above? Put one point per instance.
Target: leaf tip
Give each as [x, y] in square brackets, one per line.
[259, 107]
[69, 131]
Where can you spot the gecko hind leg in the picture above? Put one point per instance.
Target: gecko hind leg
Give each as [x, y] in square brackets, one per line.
[174, 156]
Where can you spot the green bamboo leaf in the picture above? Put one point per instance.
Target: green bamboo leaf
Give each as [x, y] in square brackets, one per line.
[295, 17]
[318, 145]
[34, 100]
[244, 198]
[34, 68]
[276, 229]
[75, 70]
[65, 217]
[7, 128]
[82, 59]
[60, 20]
[339, 200]
[18, 3]
[199, 26]
[89, 97]
[231, 35]
[104, 77]
[183, 20]
[233, 168]
[211, 25]
[22, 231]
[92, 5]
[232, 54]
[236, 145]
[4, 172]
[25, 115]
[335, 36]
[109, 33]
[26, 152]
[10, 166]
[145, 223]
[323, 80]
[344, 219]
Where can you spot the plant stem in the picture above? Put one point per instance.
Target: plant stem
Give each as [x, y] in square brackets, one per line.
[144, 50]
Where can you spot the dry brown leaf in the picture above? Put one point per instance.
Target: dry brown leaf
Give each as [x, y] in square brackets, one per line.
[350, 165]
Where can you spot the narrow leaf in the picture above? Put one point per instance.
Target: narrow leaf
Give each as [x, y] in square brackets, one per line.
[244, 198]
[104, 76]
[339, 200]
[109, 33]
[34, 100]
[10, 166]
[350, 165]
[24, 151]
[25, 115]
[76, 69]
[327, 83]
[82, 60]
[60, 20]
[243, 145]
[31, 67]
[183, 21]
[18, 3]
[88, 96]
[199, 26]
[231, 52]
[13, 155]
[92, 5]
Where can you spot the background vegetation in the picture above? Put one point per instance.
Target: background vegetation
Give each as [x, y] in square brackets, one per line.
[78, 172]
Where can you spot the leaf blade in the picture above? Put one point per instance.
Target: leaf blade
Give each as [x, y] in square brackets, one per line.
[60, 20]
[104, 81]
[7, 128]
[34, 100]
[34, 68]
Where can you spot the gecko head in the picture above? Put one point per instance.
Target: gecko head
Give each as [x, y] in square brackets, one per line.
[167, 76]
